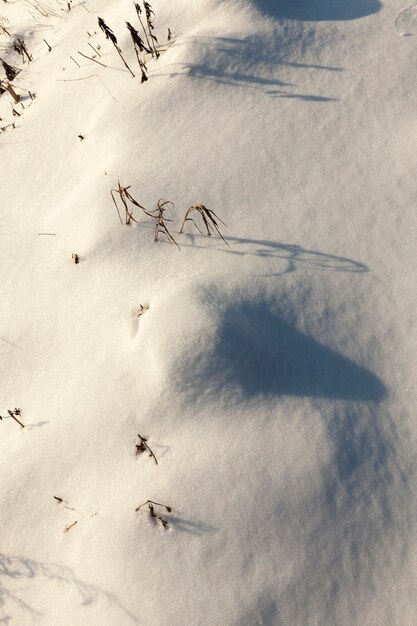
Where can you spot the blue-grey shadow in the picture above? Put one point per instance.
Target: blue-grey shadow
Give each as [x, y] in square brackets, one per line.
[24, 569]
[294, 254]
[262, 354]
[317, 10]
[193, 527]
[231, 53]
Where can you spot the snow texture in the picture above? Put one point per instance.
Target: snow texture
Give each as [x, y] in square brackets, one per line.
[272, 374]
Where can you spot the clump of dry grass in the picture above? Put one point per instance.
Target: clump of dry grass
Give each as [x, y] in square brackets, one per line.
[139, 46]
[208, 218]
[153, 514]
[13, 414]
[161, 227]
[143, 446]
[149, 21]
[112, 37]
[125, 198]
[10, 71]
[19, 46]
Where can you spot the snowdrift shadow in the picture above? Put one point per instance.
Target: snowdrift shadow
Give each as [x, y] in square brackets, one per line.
[23, 569]
[317, 10]
[259, 352]
[358, 520]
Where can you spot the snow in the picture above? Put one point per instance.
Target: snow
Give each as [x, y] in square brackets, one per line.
[273, 377]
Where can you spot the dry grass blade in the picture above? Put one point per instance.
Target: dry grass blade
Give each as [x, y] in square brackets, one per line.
[148, 502]
[143, 446]
[209, 219]
[121, 191]
[133, 201]
[13, 414]
[125, 197]
[161, 227]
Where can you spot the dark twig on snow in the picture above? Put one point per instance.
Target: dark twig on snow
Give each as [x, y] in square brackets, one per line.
[112, 37]
[143, 447]
[152, 513]
[209, 220]
[13, 414]
[139, 46]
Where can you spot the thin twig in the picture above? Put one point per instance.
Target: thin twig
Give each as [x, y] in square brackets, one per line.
[168, 508]
[74, 61]
[91, 58]
[142, 446]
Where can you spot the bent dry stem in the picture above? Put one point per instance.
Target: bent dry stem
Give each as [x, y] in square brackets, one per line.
[209, 220]
[13, 414]
[143, 446]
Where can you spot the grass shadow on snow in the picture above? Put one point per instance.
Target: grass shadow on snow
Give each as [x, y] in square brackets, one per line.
[262, 354]
[295, 255]
[16, 568]
[191, 526]
[233, 62]
[317, 10]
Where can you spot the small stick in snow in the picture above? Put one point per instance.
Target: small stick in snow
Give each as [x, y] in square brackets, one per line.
[76, 258]
[77, 64]
[142, 310]
[58, 499]
[49, 47]
[143, 446]
[70, 526]
[151, 502]
[12, 92]
[91, 58]
[13, 414]
[93, 48]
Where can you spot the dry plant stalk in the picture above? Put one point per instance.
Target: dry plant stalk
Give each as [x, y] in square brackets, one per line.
[143, 446]
[13, 414]
[19, 46]
[139, 13]
[153, 39]
[209, 220]
[112, 37]
[151, 508]
[139, 46]
[3, 23]
[10, 71]
[126, 197]
[8, 87]
[161, 227]
[43, 8]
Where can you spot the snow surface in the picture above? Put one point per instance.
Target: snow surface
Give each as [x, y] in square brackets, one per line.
[274, 377]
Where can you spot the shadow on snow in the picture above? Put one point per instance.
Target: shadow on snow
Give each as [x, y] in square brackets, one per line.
[317, 10]
[261, 353]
